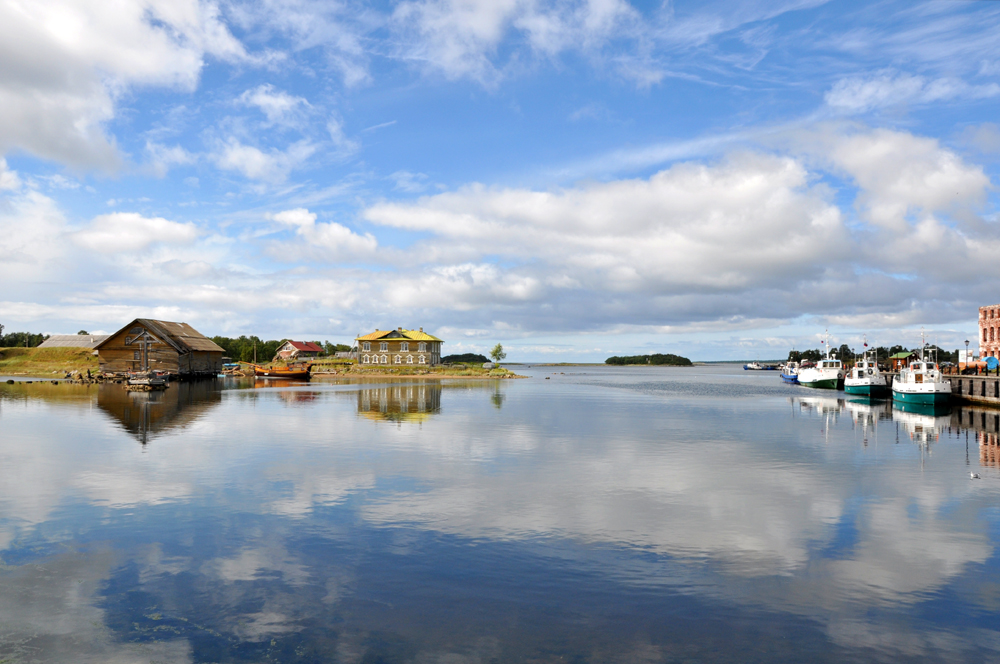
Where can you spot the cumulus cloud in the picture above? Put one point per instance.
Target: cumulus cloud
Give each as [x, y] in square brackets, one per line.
[272, 166]
[66, 62]
[331, 240]
[8, 178]
[279, 107]
[887, 88]
[129, 231]
[161, 158]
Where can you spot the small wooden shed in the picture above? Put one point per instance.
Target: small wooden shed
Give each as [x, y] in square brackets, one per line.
[174, 348]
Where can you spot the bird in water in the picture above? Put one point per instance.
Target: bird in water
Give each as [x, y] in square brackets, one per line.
[974, 476]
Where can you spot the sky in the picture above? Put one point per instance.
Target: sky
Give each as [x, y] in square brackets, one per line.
[572, 178]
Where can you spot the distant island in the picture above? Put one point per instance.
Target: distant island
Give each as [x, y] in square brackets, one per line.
[466, 357]
[668, 359]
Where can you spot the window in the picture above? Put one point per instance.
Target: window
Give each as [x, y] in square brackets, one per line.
[422, 347]
[409, 359]
[135, 355]
[397, 360]
[385, 360]
[403, 346]
[384, 346]
[422, 360]
[367, 346]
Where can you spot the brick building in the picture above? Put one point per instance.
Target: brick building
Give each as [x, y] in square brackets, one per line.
[989, 331]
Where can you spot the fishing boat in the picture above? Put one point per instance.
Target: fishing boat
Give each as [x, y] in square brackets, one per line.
[753, 366]
[292, 371]
[790, 372]
[922, 382]
[865, 379]
[828, 374]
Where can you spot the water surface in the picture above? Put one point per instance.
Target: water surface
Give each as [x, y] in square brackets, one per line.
[599, 515]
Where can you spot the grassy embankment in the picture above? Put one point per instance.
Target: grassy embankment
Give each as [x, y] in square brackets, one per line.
[46, 361]
[467, 370]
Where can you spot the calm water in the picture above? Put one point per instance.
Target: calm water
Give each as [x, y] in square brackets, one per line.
[603, 515]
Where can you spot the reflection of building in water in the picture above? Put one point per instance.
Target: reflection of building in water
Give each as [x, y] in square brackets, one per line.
[985, 423]
[146, 414]
[398, 403]
[989, 449]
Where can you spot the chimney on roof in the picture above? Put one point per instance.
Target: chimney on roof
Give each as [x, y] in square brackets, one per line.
[399, 329]
[421, 329]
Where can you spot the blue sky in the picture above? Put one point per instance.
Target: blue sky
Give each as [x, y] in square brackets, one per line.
[573, 179]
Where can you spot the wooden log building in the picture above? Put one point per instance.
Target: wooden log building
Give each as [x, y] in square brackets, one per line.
[173, 348]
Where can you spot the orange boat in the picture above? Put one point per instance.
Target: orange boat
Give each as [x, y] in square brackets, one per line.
[294, 371]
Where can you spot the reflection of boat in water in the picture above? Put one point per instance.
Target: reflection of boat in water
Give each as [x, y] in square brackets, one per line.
[400, 403]
[821, 405]
[298, 371]
[923, 422]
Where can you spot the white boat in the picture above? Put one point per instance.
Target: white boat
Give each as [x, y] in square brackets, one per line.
[828, 374]
[865, 380]
[921, 383]
[753, 366]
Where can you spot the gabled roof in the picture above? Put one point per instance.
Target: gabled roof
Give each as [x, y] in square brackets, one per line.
[73, 341]
[181, 336]
[901, 356]
[304, 345]
[411, 335]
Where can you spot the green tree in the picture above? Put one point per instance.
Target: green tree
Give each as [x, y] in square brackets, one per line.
[83, 332]
[498, 353]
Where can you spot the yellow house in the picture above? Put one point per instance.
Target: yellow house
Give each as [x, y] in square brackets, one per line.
[399, 347]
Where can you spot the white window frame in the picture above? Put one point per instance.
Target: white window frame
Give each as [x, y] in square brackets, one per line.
[422, 347]
[397, 360]
[383, 346]
[385, 359]
[365, 360]
[403, 346]
[367, 346]
[409, 359]
[423, 360]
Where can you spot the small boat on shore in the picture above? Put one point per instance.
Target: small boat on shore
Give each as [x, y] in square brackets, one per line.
[145, 381]
[291, 371]
[865, 379]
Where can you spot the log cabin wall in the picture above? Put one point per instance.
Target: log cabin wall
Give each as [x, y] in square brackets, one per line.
[180, 350]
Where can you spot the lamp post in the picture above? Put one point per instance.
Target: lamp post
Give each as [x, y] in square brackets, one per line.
[966, 353]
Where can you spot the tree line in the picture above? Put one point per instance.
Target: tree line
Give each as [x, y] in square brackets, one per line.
[21, 339]
[668, 359]
[242, 348]
[845, 353]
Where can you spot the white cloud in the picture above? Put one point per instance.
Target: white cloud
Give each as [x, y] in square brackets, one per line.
[327, 241]
[272, 166]
[344, 146]
[128, 231]
[408, 182]
[161, 158]
[279, 107]
[66, 62]
[888, 88]
[754, 219]
[8, 178]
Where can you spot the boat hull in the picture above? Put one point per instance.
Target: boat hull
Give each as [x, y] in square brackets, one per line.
[924, 398]
[790, 378]
[867, 390]
[296, 375]
[822, 383]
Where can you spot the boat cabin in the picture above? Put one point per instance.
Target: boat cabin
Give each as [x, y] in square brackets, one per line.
[828, 364]
[917, 370]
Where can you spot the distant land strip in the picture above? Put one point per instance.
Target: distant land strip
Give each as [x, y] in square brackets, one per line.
[661, 359]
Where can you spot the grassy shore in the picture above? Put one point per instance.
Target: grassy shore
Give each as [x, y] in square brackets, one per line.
[454, 370]
[46, 361]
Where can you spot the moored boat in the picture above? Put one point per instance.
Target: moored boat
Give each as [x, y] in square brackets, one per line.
[828, 374]
[921, 383]
[291, 371]
[790, 372]
[865, 379]
[753, 366]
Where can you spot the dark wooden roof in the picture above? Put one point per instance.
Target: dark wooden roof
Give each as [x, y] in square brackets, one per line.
[181, 336]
